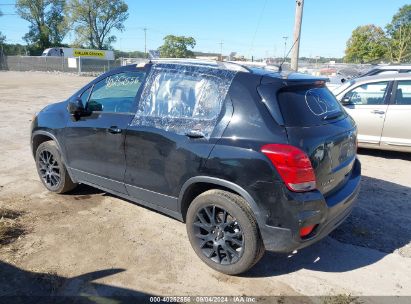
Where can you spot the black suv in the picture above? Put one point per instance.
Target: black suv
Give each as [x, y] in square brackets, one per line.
[249, 158]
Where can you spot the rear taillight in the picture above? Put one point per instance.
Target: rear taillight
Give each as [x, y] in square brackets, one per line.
[293, 165]
[304, 231]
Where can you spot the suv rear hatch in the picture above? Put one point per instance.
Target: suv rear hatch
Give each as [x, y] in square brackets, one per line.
[317, 124]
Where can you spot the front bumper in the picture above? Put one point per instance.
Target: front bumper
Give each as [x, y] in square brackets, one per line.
[327, 213]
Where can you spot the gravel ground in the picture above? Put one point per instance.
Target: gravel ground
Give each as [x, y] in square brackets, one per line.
[382, 219]
[94, 243]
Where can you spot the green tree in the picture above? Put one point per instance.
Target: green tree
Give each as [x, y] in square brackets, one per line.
[366, 44]
[47, 22]
[399, 33]
[94, 20]
[177, 47]
[132, 54]
[14, 49]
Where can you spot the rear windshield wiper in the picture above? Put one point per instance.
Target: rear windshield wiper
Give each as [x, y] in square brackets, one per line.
[332, 116]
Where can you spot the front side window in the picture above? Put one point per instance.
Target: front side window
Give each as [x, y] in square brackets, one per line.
[403, 93]
[84, 96]
[369, 94]
[116, 93]
[178, 98]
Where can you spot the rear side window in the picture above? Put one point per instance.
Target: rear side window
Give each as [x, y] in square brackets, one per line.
[403, 93]
[181, 98]
[177, 95]
[308, 106]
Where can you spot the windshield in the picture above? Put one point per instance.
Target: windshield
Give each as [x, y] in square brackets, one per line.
[342, 87]
[308, 106]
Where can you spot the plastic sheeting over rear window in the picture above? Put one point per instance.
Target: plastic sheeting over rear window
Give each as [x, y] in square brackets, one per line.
[179, 98]
[309, 106]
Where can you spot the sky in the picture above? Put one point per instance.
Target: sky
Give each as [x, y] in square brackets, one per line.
[250, 28]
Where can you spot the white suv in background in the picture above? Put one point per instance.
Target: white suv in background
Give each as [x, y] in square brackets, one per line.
[381, 107]
[388, 69]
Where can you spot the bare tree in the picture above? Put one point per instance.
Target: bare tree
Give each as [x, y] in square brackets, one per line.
[400, 45]
[399, 33]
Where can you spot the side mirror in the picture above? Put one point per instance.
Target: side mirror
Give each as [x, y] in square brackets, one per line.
[346, 101]
[75, 107]
[93, 106]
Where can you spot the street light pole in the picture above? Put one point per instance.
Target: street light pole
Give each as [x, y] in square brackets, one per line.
[299, 5]
[285, 47]
[221, 50]
[145, 41]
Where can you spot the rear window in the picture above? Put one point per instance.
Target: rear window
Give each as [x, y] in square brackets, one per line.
[308, 106]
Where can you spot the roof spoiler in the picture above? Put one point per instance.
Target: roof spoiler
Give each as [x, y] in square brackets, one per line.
[295, 79]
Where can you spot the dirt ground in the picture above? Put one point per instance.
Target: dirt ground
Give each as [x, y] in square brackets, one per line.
[91, 242]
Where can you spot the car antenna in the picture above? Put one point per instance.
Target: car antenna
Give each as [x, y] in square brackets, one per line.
[280, 67]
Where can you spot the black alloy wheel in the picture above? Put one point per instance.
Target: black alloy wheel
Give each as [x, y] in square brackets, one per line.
[49, 169]
[223, 231]
[219, 235]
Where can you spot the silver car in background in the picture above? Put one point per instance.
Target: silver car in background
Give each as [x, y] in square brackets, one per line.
[388, 70]
[381, 107]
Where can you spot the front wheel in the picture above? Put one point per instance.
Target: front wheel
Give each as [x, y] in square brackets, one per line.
[51, 169]
[223, 232]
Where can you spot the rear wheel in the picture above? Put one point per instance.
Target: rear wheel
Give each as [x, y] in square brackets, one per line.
[223, 232]
[51, 169]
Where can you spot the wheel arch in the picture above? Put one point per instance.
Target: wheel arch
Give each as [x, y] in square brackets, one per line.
[199, 184]
[40, 136]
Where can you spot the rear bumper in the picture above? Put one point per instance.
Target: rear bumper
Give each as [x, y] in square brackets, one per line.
[327, 213]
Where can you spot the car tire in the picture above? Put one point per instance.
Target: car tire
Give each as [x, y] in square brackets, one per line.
[223, 232]
[51, 169]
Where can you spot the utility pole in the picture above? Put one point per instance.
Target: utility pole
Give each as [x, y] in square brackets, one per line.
[221, 50]
[285, 47]
[299, 5]
[145, 41]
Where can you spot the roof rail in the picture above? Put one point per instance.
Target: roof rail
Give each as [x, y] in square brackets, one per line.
[262, 65]
[214, 63]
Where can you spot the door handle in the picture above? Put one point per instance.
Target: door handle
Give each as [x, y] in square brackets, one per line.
[195, 134]
[114, 130]
[377, 112]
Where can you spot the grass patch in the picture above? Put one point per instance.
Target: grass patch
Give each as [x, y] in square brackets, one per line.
[10, 227]
[342, 299]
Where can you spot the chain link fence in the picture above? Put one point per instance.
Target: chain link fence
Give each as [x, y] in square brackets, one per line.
[59, 64]
[3, 62]
[82, 65]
